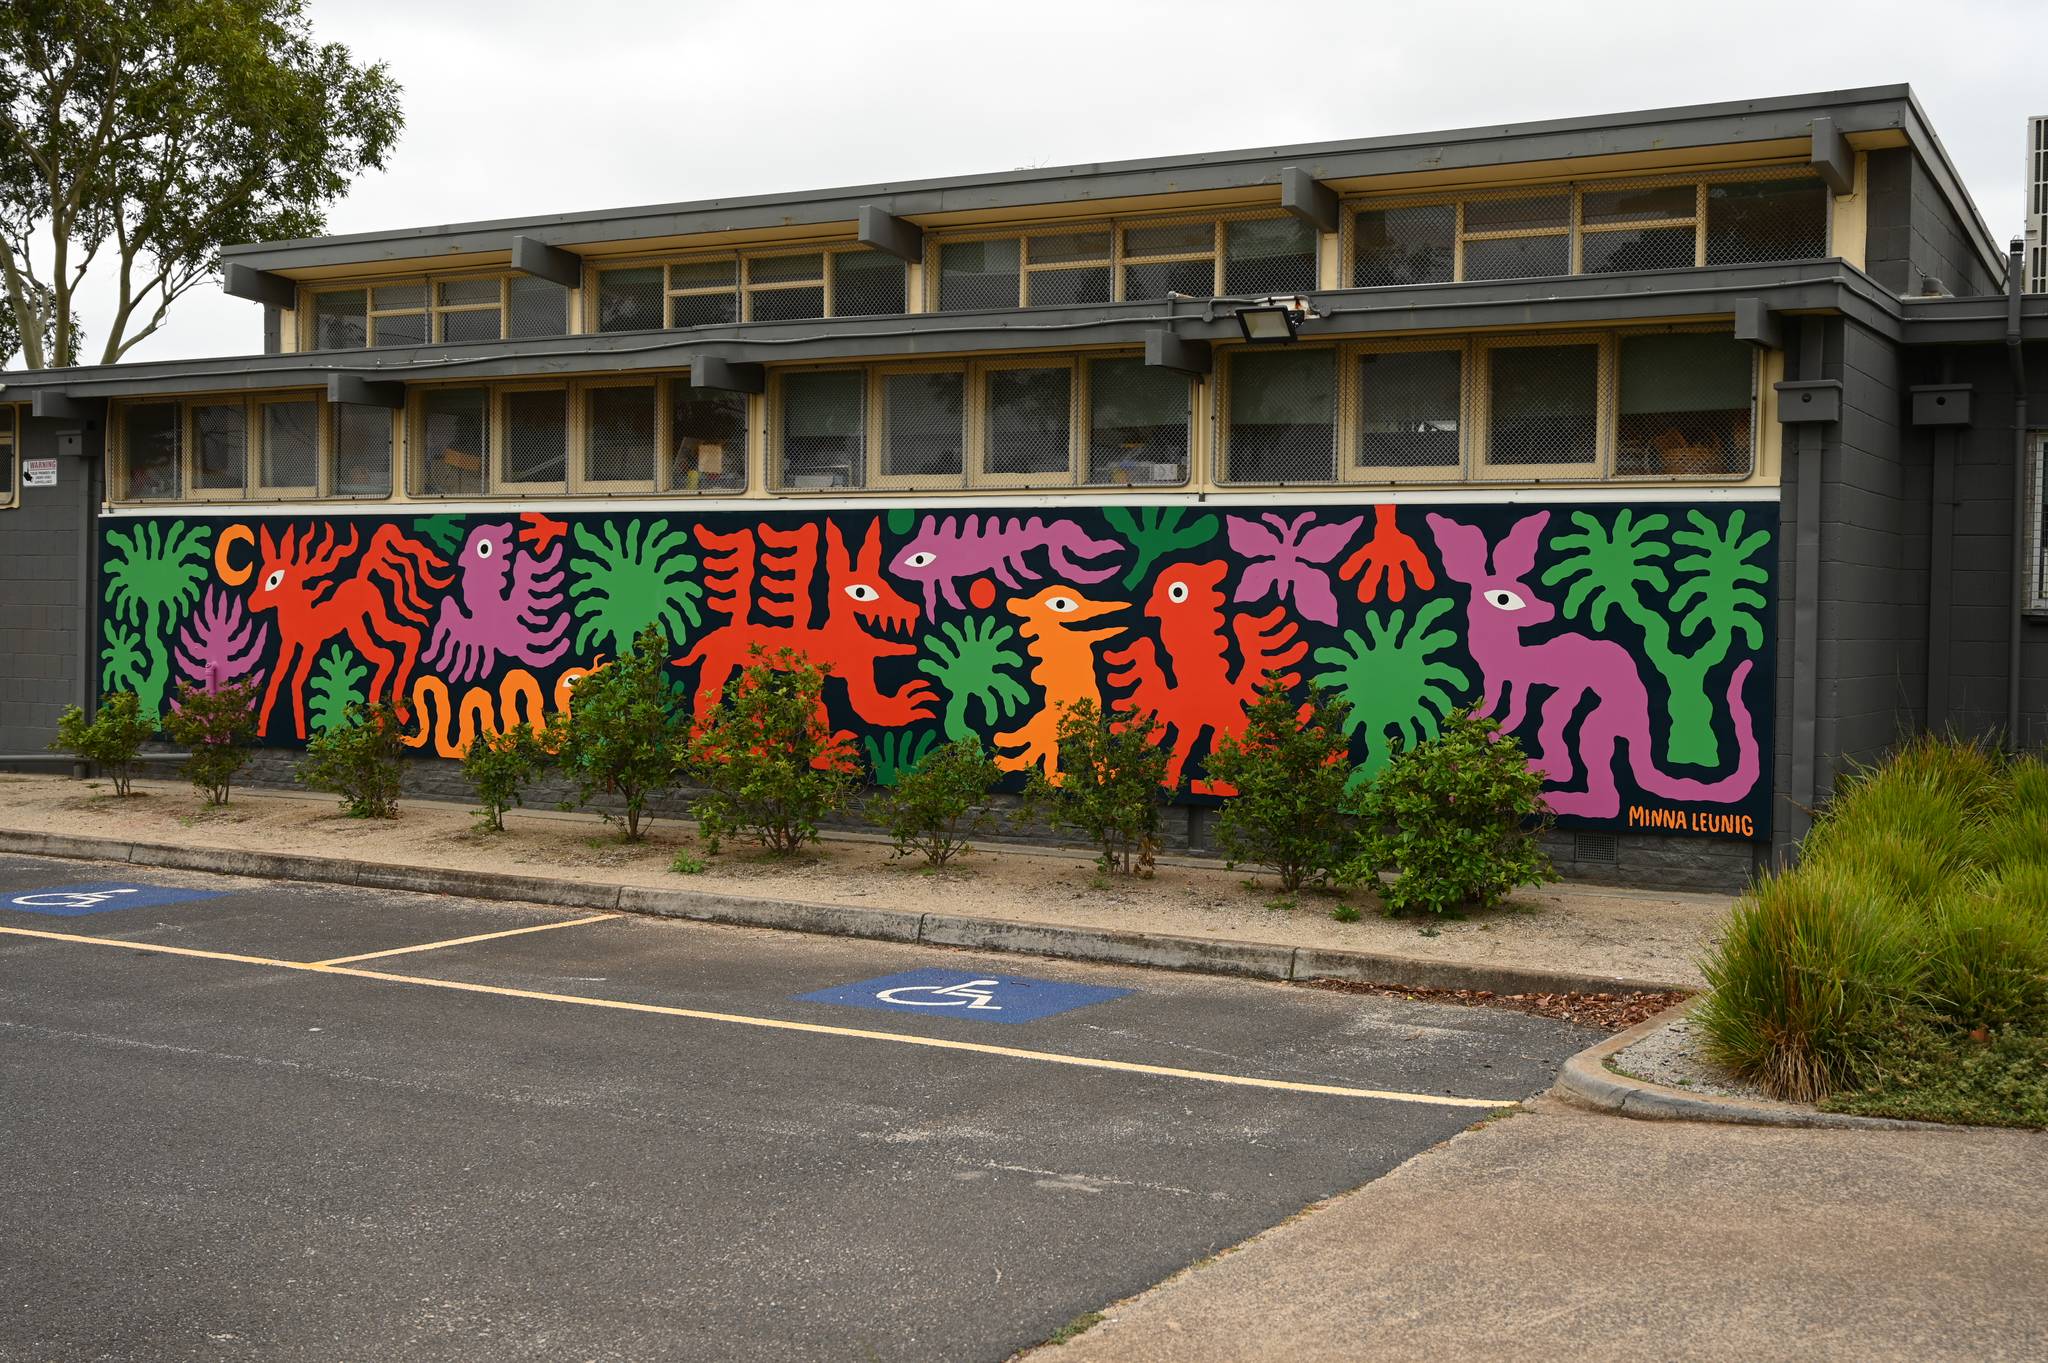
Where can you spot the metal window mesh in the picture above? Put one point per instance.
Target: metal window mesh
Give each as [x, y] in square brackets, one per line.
[1263, 256]
[1410, 409]
[619, 441]
[291, 444]
[150, 448]
[1777, 213]
[1138, 421]
[536, 438]
[220, 446]
[454, 430]
[362, 451]
[1543, 404]
[629, 299]
[398, 328]
[1281, 416]
[341, 320]
[821, 430]
[707, 449]
[704, 309]
[1686, 405]
[785, 305]
[979, 274]
[866, 284]
[924, 425]
[536, 307]
[1030, 421]
[472, 324]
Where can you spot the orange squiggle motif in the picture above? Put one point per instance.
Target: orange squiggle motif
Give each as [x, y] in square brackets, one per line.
[452, 725]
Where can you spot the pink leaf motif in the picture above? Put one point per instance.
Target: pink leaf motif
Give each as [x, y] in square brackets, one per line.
[1292, 555]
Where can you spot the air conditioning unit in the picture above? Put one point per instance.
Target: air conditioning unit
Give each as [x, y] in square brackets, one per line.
[2036, 259]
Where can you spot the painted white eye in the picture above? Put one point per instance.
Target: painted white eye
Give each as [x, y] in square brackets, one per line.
[569, 679]
[1062, 604]
[276, 579]
[921, 559]
[1502, 599]
[861, 591]
[483, 548]
[1177, 591]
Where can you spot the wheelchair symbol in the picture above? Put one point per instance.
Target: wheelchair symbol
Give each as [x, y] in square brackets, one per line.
[971, 993]
[70, 899]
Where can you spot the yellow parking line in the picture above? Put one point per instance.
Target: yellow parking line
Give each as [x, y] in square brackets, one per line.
[465, 941]
[786, 1025]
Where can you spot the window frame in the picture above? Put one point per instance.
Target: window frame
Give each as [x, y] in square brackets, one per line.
[777, 471]
[579, 480]
[1084, 423]
[980, 427]
[434, 311]
[1756, 412]
[258, 440]
[1226, 387]
[877, 423]
[1118, 259]
[10, 455]
[416, 441]
[1480, 465]
[330, 452]
[1577, 228]
[743, 287]
[1351, 388]
[498, 437]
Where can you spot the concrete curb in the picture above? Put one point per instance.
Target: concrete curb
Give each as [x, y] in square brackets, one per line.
[1587, 1082]
[1257, 960]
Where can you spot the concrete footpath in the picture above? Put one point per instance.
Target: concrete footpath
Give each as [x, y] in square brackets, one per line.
[1557, 1233]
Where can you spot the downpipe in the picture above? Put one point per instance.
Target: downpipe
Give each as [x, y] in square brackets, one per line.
[2016, 363]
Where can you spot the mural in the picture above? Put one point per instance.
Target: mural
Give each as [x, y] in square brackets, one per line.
[1628, 646]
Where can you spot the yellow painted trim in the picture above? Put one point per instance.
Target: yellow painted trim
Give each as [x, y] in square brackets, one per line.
[1849, 230]
[784, 1024]
[465, 941]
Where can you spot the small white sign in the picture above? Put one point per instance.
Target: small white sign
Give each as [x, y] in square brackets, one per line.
[39, 473]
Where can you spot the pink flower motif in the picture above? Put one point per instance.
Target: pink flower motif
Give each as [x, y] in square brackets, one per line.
[1292, 554]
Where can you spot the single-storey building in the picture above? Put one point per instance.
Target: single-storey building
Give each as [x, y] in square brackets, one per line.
[1694, 444]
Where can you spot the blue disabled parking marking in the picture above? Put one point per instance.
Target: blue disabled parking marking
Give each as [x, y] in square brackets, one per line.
[98, 896]
[978, 997]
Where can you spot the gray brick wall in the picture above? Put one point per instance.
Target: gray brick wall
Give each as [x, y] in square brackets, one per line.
[42, 597]
[1912, 233]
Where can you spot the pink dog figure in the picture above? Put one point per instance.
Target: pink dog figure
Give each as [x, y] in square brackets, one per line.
[1500, 606]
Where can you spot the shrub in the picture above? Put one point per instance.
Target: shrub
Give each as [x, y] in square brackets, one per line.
[624, 730]
[1455, 819]
[767, 757]
[1290, 768]
[1813, 965]
[1111, 771]
[498, 768]
[1915, 825]
[935, 804]
[218, 725]
[1987, 963]
[2018, 834]
[110, 740]
[359, 760]
[687, 863]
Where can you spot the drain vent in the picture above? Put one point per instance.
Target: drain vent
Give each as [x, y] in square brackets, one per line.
[1596, 849]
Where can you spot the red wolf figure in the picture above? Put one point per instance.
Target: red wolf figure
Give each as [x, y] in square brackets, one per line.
[295, 579]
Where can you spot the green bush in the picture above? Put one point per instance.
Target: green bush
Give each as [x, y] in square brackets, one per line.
[358, 759]
[935, 804]
[1290, 767]
[1455, 820]
[625, 729]
[1813, 964]
[2018, 834]
[1111, 772]
[498, 768]
[1987, 955]
[218, 726]
[110, 740]
[1916, 826]
[767, 758]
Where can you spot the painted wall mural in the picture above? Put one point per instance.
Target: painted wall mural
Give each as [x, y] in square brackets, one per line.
[1628, 646]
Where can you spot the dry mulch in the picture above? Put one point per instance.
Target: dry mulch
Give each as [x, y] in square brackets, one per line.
[1610, 1012]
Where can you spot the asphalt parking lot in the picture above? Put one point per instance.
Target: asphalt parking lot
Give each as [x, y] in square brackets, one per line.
[290, 1122]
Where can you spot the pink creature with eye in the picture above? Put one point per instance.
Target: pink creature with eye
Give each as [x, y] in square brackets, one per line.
[501, 607]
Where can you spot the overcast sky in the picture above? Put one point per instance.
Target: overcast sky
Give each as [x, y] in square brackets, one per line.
[521, 107]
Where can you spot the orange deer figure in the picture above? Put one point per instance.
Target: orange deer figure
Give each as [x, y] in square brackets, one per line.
[295, 579]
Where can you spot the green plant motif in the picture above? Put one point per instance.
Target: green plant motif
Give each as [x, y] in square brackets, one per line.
[975, 666]
[336, 685]
[124, 662]
[621, 583]
[153, 577]
[898, 752]
[1620, 567]
[1393, 681]
[444, 531]
[902, 519]
[1155, 531]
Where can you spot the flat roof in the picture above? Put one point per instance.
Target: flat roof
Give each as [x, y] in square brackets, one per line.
[1867, 114]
